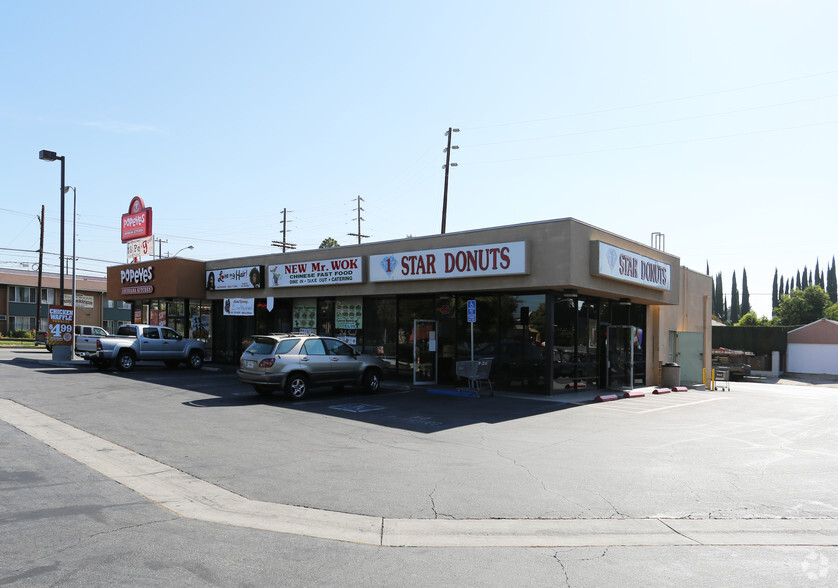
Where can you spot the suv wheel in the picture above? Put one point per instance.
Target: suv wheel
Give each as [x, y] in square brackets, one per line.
[372, 381]
[296, 386]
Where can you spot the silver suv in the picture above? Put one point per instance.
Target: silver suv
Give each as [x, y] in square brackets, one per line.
[294, 363]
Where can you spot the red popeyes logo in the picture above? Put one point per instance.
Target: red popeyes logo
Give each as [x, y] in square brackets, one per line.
[137, 223]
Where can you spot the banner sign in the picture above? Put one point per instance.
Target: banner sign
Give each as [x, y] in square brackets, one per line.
[235, 278]
[238, 307]
[627, 266]
[60, 326]
[499, 259]
[316, 273]
[137, 223]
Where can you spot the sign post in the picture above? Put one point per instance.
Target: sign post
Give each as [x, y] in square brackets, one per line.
[471, 307]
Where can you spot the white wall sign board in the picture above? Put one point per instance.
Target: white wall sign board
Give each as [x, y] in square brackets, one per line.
[496, 259]
[316, 273]
[628, 266]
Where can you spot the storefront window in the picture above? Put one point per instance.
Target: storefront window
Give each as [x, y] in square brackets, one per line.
[349, 319]
[380, 329]
[304, 315]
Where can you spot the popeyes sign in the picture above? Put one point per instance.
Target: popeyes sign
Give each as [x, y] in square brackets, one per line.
[137, 223]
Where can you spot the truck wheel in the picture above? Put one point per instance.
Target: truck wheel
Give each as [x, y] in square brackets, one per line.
[297, 386]
[372, 381]
[196, 360]
[125, 361]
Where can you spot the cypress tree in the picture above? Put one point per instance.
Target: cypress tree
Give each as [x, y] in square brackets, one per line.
[718, 302]
[818, 273]
[832, 282]
[734, 301]
[804, 282]
[746, 296]
[797, 282]
[774, 290]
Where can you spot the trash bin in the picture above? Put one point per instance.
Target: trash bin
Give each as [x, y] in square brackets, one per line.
[670, 375]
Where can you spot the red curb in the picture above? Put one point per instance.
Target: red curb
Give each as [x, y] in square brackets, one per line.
[634, 394]
[606, 398]
[661, 391]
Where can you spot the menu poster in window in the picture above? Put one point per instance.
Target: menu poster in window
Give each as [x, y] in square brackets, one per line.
[348, 313]
[305, 316]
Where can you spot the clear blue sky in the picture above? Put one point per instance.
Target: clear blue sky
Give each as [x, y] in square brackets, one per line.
[713, 122]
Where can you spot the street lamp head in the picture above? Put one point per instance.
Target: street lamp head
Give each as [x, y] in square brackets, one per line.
[68, 188]
[47, 155]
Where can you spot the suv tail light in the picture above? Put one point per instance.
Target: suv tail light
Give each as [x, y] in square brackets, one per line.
[266, 363]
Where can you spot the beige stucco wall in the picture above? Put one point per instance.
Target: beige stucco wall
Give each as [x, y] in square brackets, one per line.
[558, 251]
[692, 314]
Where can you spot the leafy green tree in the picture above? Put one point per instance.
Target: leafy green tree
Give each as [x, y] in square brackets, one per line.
[745, 308]
[328, 242]
[750, 320]
[734, 302]
[802, 307]
[831, 313]
[718, 298]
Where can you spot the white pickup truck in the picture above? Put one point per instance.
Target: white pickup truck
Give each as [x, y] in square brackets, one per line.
[86, 337]
[133, 343]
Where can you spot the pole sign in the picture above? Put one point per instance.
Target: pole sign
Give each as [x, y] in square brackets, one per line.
[471, 310]
[139, 248]
[137, 223]
[60, 326]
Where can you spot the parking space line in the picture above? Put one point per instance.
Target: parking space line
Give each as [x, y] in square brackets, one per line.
[641, 405]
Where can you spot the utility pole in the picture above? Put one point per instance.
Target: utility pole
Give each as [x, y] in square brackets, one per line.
[40, 274]
[358, 201]
[160, 250]
[284, 243]
[449, 133]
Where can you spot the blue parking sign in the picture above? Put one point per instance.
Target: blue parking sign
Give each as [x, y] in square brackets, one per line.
[471, 307]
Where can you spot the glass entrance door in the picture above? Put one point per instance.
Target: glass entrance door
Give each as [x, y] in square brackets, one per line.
[620, 358]
[424, 352]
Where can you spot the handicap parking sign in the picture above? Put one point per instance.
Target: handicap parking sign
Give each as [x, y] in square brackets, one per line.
[471, 307]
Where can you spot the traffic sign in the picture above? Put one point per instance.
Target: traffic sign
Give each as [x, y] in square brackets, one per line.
[471, 308]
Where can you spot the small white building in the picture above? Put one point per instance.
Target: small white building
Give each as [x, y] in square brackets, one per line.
[813, 348]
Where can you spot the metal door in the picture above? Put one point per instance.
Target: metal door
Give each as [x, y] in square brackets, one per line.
[620, 367]
[689, 354]
[424, 352]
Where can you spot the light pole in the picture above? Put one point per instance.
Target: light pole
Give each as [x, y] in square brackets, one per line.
[59, 352]
[67, 189]
[183, 249]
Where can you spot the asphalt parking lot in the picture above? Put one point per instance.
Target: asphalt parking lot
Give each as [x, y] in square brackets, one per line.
[757, 454]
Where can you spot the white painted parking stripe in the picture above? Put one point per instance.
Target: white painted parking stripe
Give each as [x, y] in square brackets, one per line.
[194, 498]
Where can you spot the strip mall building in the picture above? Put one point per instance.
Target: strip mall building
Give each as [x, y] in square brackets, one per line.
[560, 304]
